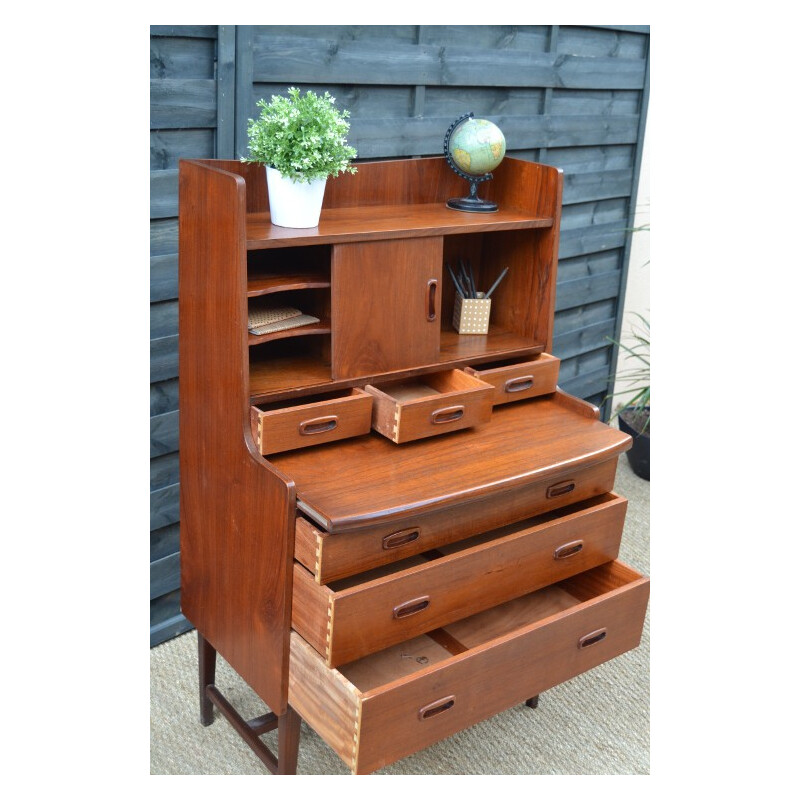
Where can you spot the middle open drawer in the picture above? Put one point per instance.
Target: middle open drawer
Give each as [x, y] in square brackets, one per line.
[355, 616]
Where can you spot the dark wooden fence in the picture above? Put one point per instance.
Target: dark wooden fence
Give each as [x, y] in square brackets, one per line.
[572, 96]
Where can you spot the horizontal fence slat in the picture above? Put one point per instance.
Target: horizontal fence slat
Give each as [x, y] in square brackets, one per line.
[182, 58]
[168, 147]
[163, 397]
[165, 575]
[587, 186]
[164, 434]
[196, 31]
[164, 193]
[575, 342]
[164, 506]
[183, 103]
[375, 138]
[164, 319]
[164, 542]
[163, 358]
[164, 277]
[595, 239]
[303, 60]
[581, 291]
[164, 471]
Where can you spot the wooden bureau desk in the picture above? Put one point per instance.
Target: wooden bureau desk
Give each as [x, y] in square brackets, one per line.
[392, 530]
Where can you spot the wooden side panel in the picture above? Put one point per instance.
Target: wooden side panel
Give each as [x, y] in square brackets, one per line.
[328, 702]
[495, 676]
[467, 582]
[312, 610]
[385, 305]
[237, 512]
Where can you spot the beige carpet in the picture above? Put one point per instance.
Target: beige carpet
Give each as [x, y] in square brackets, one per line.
[595, 724]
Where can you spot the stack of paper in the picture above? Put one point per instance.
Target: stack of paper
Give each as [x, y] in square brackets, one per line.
[270, 320]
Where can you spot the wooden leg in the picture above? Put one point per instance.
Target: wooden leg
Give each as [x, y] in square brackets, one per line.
[207, 661]
[288, 742]
[532, 702]
[288, 725]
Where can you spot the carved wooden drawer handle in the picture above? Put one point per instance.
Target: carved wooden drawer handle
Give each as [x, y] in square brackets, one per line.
[519, 384]
[445, 415]
[436, 707]
[569, 549]
[557, 489]
[431, 295]
[592, 638]
[411, 607]
[318, 425]
[399, 538]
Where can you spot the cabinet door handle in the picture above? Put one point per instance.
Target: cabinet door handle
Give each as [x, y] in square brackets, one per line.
[519, 384]
[399, 538]
[557, 489]
[436, 707]
[445, 415]
[318, 425]
[592, 638]
[431, 299]
[568, 549]
[411, 607]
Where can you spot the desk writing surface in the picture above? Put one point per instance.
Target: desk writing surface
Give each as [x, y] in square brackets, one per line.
[369, 478]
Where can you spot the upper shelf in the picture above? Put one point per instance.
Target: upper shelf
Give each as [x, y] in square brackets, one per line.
[362, 223]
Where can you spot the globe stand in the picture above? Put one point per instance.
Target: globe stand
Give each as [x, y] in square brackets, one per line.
[473, 202]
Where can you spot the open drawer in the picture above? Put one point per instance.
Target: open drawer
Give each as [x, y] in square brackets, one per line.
[432, 404]
[350, 618]
[390, 704]
[330, 556]
[290, 425]
[518, 380]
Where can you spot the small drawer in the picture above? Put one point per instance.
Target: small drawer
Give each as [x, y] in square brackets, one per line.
[429, 405]
[329, 556]
[515, 380]
[393, 703]
[353, 617]
[308, 421]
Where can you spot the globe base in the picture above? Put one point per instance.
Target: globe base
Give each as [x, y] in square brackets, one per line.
[471, 204]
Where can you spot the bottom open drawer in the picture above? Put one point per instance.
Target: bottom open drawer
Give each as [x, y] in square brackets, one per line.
[395, 702]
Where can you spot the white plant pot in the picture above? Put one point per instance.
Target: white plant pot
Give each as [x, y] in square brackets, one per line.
[294, 205]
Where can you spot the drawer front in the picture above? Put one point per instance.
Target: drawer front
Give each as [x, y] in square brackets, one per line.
[331, 556]
[399, 717]
[329, 420]
[442, 403]
[521, 380]
[348, 623]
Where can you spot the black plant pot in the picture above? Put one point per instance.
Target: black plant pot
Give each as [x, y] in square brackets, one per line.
[639, 454]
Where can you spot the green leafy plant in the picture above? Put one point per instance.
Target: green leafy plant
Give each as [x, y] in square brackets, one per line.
[636, 409]
[303, 136]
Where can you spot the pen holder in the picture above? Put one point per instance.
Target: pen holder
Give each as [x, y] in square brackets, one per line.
[472, 315]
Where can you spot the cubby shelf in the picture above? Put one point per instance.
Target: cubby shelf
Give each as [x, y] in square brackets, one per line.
[267, 283]
[370, 223]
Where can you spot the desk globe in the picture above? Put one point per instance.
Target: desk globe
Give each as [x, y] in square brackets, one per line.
[473, 148]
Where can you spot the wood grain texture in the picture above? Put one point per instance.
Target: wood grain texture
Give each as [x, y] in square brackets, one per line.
[341, 554]
[519, 380]
[313, 423]
[324, 699]
[237, 511]
[536, 655]
[354, 485]
[381, 296]
[431, 405]
[513, 562]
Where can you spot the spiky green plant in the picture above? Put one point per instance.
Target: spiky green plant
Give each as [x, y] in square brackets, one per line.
[637, 378]
[303, 136]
